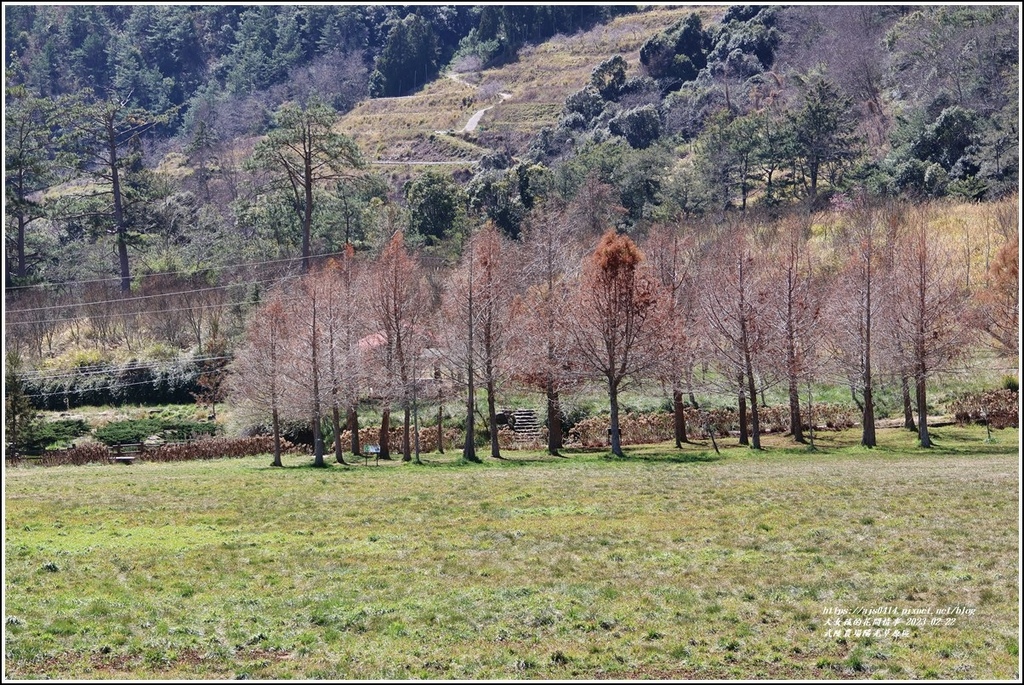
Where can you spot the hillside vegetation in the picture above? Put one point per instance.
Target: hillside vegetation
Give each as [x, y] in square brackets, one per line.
[171, 170]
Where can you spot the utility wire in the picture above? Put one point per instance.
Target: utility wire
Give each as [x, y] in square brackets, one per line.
[110, 370]
[172, 273]
[141, 297]
[203, 307]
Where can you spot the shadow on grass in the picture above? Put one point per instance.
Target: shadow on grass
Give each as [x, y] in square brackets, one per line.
[679, 458]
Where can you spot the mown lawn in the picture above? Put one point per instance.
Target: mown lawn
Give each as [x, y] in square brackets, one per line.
[669, 564]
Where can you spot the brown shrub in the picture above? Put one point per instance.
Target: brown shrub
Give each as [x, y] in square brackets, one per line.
[998, 407]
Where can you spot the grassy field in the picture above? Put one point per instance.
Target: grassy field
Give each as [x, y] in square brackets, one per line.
[668, 564]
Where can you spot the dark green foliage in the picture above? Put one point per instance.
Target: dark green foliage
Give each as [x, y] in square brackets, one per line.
[824, 132]
[745, 42]
[640, 127]
[437, 205]
[679, 54]
[173, 383]
[53, 434]
[19, 413]
[505, 196]
[135, 431]
[586, 102]
[128, 432]
[409, 58]
[609, 77]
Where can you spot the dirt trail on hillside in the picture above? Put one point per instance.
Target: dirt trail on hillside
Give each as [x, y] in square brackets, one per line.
[475, 119]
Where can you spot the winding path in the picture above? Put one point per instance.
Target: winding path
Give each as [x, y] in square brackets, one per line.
[475, 119]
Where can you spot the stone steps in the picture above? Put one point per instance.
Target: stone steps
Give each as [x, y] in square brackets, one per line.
[525, 424]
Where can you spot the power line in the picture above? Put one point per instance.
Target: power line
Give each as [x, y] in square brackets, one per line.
[73, 391]
[172, 273]
[110, 370]
[140, 297]
[204, 307]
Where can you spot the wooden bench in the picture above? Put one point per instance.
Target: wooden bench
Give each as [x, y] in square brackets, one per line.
[125, 454]
[375, 451]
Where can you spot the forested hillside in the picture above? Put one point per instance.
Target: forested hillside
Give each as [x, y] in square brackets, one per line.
[171, 169]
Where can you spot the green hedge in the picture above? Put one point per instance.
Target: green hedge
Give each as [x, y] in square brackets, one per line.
[130, 383]
[135, 431]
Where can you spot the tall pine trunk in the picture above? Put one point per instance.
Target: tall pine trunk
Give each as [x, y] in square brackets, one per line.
[922, 406]
[868, 420]
[492, 419]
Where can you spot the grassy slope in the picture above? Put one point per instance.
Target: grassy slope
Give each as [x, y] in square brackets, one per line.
[664, 565]
[406, 128]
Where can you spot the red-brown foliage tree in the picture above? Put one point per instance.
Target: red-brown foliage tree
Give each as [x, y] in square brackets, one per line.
[671, 261]
[398, 302]
[733, 309]
[256, 382]
[551, 255]
[929, 295]
[613, 320]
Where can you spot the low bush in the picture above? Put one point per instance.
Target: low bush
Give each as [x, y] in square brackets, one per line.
[998, 407]
[91, 453]
[654, 427]
[43, 435]
[135, 431]
[216, 448]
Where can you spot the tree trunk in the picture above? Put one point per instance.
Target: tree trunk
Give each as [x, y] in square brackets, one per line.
[307, 214]
[613, 400]
[440, 410]
[277, 438]
[755, 422]
[469, 447]
[554, 420]
[318, 441]
[679, 416]
[406, 437]
[795, 420]
[385, 434]
[908, 405]
[922, 406]
[868, 420]
[353, 429]
[22, 268]
[318, 438]
[119, 225]
[336, 425]
[492, 419]
[440, 429]
[744, 440]
[795, 423]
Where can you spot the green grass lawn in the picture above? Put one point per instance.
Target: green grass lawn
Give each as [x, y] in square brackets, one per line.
[668, 564]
